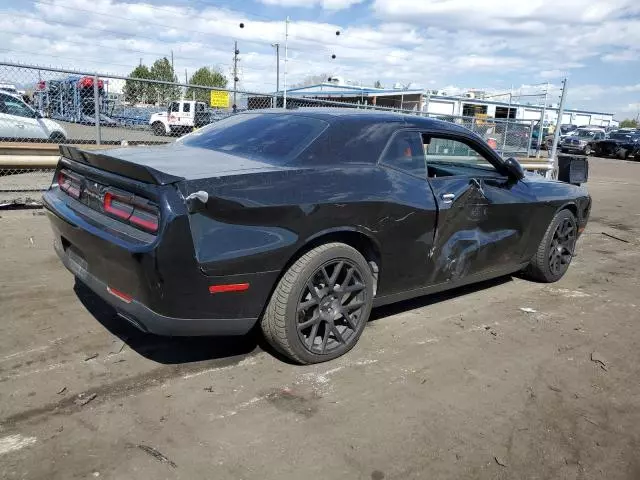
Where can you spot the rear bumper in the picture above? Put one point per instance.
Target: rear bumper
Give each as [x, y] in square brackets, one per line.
[167, 290]
[149, 321]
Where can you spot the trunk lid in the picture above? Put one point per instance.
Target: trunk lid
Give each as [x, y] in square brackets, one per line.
[163, 165]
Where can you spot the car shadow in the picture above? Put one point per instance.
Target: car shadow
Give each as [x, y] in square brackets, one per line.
[424, 301]
[166, 350]
[180, 350]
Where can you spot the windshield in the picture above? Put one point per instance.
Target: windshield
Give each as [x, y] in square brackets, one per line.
[622, 136]
[276, 138]
[585, 133]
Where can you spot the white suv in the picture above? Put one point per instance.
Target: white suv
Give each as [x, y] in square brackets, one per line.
[19, 120]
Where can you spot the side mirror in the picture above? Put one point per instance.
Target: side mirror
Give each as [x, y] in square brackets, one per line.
[514, 168]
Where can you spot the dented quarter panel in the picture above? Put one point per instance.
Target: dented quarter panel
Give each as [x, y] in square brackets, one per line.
[259, 222]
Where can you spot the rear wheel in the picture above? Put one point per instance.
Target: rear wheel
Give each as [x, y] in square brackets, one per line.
[556, 249]
[321, 305]
[158, 129]
[623, 154]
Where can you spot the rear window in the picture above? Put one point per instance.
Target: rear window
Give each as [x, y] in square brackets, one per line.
[271, 137]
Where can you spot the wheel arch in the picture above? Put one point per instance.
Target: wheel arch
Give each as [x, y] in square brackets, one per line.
[571, 206]
[366, 245]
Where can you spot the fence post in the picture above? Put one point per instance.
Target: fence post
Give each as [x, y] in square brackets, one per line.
[96, 108]
[533, 124]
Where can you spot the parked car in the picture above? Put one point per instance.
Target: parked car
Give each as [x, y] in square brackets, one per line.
[621, 144]
[19, 121]
[302, 221]
[582, 140]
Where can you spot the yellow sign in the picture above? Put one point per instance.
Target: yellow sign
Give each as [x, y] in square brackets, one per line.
[219, 99]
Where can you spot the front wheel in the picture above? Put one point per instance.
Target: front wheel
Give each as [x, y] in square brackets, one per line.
[587, 150]
[556, 249]
[321, 304]
[623, 154]
[158, 129]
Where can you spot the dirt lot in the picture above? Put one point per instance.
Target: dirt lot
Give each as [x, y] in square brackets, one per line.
[463, 385]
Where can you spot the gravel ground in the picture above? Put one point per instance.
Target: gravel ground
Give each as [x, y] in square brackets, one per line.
[461, 385]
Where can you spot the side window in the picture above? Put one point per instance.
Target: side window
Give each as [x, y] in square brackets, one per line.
[174, 107]
[405, 152]
[12, 106]
[446, 150]
[186, 107]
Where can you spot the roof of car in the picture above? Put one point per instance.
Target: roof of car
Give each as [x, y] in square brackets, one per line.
[336, 114]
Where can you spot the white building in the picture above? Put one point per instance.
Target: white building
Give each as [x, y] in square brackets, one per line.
[440, 104]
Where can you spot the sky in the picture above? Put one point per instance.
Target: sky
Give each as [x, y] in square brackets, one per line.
[451, 45]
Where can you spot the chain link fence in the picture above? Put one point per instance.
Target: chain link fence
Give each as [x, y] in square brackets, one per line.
[42, 107]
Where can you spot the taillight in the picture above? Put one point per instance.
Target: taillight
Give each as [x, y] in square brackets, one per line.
[145, 219]
[69, 184]
[134, 210]
[116, 207]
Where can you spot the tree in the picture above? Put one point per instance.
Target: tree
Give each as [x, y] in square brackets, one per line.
[208, 77]
[629, 123]
[377, 84]
[312, 80]
[138, 92]
[162, 70]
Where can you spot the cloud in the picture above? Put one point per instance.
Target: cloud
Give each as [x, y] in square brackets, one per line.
[552, 74]
[325, 4]
[432, 43]
[622, 56]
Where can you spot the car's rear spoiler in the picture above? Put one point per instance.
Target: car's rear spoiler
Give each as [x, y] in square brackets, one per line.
[111, 163]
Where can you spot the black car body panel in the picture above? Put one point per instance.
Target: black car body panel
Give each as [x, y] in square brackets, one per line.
[261, 215]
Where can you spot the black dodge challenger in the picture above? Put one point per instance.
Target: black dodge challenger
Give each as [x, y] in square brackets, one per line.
[303, 220]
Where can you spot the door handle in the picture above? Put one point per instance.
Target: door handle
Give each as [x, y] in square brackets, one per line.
[447, 197]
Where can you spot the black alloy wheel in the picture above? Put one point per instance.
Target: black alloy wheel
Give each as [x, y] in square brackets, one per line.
[331, 306]
[556, 249]
[562, 247]
[320, 305]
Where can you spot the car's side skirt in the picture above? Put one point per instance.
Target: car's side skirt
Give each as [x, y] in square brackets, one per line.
[440, 287]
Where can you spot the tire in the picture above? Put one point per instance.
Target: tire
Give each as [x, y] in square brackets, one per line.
[622, 154]
[321, 311]
[159, 129]
[598, 151]
[542, 268]
[587, 150]
[57, 137]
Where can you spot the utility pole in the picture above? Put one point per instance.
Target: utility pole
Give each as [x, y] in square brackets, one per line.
[286, 59]
[277, 45]
[236, 52]
[556, 134]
